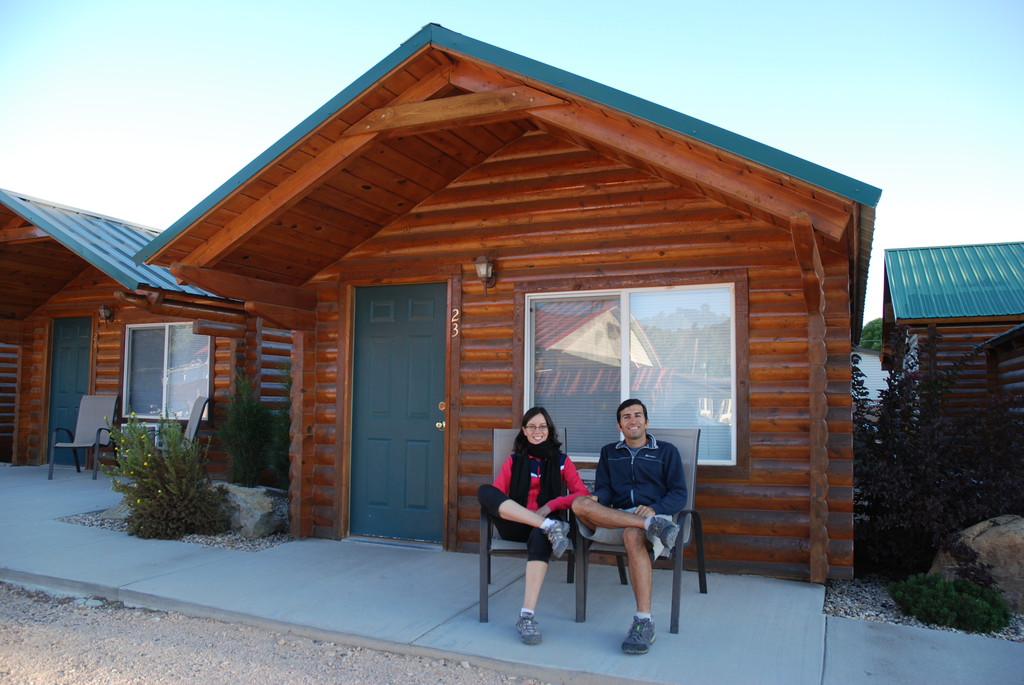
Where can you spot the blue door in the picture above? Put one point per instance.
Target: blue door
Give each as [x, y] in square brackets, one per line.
[69, 378]
[397, 483]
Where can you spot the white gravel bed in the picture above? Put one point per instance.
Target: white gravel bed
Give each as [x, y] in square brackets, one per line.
[868, 600]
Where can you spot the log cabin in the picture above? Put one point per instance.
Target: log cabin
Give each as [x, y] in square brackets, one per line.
[464, 232]
[78, 316]
[971, 297]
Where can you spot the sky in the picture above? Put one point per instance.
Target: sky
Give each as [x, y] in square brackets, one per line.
[139, 109]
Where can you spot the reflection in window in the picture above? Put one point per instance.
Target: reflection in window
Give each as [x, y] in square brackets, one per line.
[167, 367]
[681, 363]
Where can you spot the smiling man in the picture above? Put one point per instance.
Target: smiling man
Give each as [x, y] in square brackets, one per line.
[639, 484]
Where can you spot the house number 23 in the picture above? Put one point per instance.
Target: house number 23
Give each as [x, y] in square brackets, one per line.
[455, 323]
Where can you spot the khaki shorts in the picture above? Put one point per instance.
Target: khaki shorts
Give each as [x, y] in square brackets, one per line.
[613, 536]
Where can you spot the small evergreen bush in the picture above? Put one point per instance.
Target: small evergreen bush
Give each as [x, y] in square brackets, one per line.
[245, 432]
[956, 603]
[166, 489]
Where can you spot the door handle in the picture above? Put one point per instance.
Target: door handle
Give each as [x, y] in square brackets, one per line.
[440, 425]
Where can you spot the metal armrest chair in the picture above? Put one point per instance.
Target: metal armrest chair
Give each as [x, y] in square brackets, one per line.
[491, 543]
[91, 431]
[686, 440]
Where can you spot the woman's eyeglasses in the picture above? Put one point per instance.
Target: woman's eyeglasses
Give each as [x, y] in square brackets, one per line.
[534, 428]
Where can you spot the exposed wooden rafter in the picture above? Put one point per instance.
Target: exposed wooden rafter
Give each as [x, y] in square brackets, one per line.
[455, 111]
[283, 317]
[245, 288]
[17, 231]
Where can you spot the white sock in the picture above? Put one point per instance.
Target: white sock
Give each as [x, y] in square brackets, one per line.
[647, 522]
[547, 524]
[643, 615]
[525, 613]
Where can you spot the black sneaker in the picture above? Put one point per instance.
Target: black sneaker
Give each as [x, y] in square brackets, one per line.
[558, 537]
[664, 530]
[529, 632]
[640, 636]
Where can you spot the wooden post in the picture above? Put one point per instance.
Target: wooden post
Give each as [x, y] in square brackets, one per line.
[809, 258]
[300, 452]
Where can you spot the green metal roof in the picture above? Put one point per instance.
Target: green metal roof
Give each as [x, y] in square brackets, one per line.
[956, 281]
[441, 37]
[108, 244]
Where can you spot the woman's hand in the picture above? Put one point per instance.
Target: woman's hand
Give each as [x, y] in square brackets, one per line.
[544, 511]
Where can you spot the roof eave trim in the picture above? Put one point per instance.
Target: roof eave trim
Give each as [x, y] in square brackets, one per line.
[657, 114]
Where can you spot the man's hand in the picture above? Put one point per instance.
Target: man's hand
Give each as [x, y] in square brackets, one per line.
[644, 510]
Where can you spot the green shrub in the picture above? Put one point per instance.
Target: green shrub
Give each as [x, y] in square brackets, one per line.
[957, 603]
[922, 473]
[166, 489]
[246, 432]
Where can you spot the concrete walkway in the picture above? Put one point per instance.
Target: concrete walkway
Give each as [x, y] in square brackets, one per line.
[423, 601]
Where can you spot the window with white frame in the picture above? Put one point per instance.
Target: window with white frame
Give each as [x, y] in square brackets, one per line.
[677, 355]
[166, 367]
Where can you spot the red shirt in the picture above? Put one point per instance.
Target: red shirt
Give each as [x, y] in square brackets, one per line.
[570, 476]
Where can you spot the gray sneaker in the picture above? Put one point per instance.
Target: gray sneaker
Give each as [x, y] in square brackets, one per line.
[664, 530]
[558, 536]
[529, 632]
[640, 636]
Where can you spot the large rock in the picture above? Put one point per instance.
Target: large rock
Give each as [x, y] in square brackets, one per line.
[999, 542]
[251, 511]
[118, 512]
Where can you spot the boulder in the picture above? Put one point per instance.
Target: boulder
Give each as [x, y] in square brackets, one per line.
[251, 511]
[118, 512]
[999, 542]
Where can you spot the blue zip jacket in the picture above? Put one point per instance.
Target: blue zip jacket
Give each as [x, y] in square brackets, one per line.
[654, 477]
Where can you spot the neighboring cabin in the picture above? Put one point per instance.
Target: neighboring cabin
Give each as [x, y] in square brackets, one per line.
[78, 316]
[972, 297]
[635, 252]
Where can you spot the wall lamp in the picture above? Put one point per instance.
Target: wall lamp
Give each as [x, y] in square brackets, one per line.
[106, 313]
[485, 271]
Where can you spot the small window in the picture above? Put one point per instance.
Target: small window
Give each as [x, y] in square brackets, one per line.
[677, 354]
[167, 367]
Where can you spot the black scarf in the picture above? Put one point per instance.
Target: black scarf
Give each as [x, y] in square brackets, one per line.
[550, 473]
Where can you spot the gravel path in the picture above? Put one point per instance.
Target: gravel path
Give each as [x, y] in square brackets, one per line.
[47, 640]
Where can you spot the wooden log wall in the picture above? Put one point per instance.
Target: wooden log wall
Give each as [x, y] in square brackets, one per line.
[546, 210]
[1005, 366]
[955, 341]
[10, 356]
[82, 297]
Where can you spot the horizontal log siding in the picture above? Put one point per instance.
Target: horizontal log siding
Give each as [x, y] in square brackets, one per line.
[546, 210]
[10, 359]
[82, 297]
[956, 340]
[1006, 369]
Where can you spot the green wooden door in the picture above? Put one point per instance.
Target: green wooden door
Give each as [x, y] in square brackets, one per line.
[397, 484]
[69, 378]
